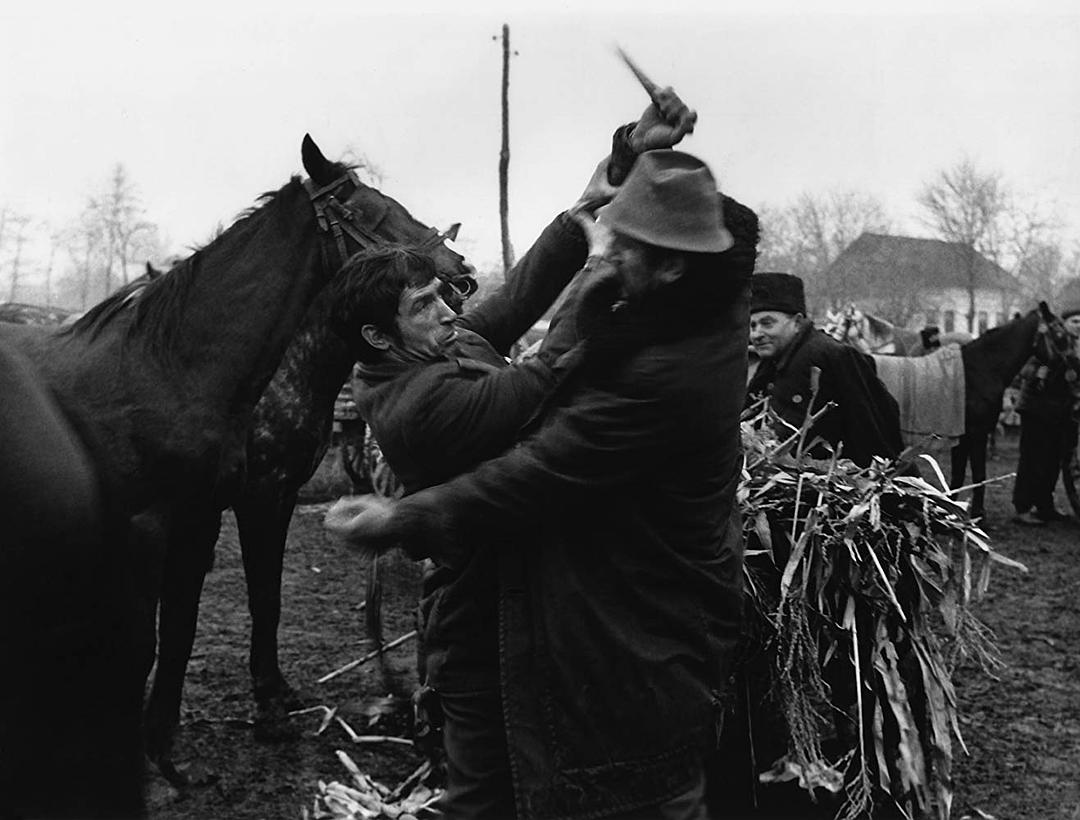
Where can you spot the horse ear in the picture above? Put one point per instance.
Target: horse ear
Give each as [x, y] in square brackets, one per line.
[451, 232]
[318, 167]
[152, 272]
[1044, 311]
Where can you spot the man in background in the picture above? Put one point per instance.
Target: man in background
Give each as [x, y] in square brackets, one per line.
[865, 420]
[1047, 433]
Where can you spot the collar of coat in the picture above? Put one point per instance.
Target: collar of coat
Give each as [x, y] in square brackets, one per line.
[797, 341]
[380, 372]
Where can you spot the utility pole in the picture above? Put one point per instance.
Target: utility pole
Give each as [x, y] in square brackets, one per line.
[504, 156]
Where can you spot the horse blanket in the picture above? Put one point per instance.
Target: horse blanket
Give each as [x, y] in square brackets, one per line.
[930, 391]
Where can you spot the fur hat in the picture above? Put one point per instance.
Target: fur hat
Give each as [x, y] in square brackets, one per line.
[669, 200]
[777, 291]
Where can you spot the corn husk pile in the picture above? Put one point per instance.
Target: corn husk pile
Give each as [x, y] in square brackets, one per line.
[861, 582]
[364, 798]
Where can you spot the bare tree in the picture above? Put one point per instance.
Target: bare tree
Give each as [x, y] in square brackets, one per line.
[86, 250]
[54, 243]
[4, 214]
[126, 232]
[1070, 266]
[13, 233]
[1031, 247]
[777, 247]
[1042, 268]
[981, 214]
[966, 206]
[805, 237]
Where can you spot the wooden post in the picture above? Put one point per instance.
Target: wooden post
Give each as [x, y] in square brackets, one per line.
[504, 156]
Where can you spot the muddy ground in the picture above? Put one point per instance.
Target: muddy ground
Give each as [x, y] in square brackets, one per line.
[1022, 730]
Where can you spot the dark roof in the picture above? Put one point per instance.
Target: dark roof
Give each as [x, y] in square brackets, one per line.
[1068, 296]
[917, 263]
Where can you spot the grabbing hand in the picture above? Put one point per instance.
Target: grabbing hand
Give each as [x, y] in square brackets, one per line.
[598, 192]
[363, 522]
[591, 294]
[597, 234]
[664, 123]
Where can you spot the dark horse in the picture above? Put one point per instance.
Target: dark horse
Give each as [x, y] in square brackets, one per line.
[168, 380]
[991, 362]
[285, 443]
[72, 688]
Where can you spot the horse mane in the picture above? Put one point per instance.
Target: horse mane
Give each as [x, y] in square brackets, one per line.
[991, 335]
[157, 302]
[99, 316]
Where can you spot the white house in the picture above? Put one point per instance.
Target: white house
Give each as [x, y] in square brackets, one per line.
[917, 282]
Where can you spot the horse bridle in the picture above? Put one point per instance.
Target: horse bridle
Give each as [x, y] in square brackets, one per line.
[336, 219]
[1052, 336]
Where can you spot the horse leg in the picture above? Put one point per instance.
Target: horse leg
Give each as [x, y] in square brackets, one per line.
[978, 473]
[959, 461]
[263, 523]
[192, 535]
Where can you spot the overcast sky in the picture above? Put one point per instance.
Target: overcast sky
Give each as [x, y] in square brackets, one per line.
[205, 104]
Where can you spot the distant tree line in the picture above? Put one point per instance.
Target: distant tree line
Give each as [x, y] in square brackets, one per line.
[108, 244]
[101, 250]
[973, 208]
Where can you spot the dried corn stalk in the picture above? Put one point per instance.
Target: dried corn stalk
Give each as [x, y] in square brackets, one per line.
[366, 799]
[861, 581]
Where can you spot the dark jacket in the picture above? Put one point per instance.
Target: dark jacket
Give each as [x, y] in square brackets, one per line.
[866, 417]
[1045, 391]
[436, 419]
[620, 549]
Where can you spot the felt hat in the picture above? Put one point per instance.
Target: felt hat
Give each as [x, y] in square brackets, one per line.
[777, 291]
[670, 200]
[1070, 310]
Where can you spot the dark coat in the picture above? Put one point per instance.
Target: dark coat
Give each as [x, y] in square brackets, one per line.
[866, 417]
[621, 550]
[1045, 391]
[436, 419]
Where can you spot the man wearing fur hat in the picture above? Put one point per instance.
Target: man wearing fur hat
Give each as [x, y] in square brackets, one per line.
[614, 521]
[1047, 405]
[803, 368]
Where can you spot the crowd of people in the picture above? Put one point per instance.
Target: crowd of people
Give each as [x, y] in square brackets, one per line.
[576, 511]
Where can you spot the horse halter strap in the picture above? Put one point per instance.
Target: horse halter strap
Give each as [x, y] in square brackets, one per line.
[337, 219]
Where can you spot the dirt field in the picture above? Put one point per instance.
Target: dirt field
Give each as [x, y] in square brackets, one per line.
[1022, 731]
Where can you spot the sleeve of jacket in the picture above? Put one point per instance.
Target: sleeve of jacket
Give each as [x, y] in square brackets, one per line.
[870, 414]
[531, 287]
[477, 411]
[600, 438]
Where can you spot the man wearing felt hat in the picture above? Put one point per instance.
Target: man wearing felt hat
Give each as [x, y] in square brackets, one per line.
[865, 419]
[619, 546]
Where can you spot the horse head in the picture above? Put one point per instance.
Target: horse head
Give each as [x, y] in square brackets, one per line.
[346, 207]
[844, 325]
[1052, 342]
[853, 327]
